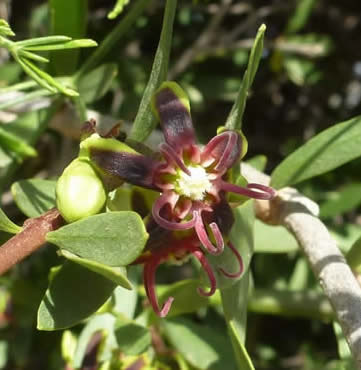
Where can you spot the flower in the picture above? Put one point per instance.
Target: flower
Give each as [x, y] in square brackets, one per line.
[192, 181]
[193, 209]
[175, 247]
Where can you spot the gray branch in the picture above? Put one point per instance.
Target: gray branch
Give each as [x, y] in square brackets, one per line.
[299, 214]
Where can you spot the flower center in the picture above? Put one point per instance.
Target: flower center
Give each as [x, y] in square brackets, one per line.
[194, 186]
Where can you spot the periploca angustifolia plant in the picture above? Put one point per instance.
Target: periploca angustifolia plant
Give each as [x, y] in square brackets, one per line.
[193, 213]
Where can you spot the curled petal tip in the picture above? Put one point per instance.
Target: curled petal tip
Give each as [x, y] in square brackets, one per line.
[256, 191]
[266, 192]
[203, 236]
[172, 156]
[233, 275]
[208, 269]
[224, 149]
[162, 201]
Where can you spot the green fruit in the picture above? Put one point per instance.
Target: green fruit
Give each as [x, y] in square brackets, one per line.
[79, 191]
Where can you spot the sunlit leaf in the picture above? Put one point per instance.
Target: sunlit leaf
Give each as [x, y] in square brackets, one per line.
[234, 120]
[326, 151]
[113, 239]
[145, 121]
[69, 19]
[118, 8]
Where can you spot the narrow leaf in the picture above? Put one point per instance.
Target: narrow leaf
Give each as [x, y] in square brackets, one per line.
[7, 225]
[34, 196]
[73, 44]
[326, 151]
[74, 293]
[29, 55]
[67, 18]
[47, 40]
[15, 144]
[113, 239]
[243, 359]
[118, 8]
[145, 121]
[234, 120]
[50, 80]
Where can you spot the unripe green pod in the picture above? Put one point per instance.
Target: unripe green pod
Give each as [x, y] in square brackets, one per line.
[79, 191]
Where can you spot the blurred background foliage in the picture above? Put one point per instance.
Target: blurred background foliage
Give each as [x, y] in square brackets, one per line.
[309, 79]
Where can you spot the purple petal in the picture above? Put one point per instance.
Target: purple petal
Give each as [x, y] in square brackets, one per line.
[237, 274]
[133, 168]
[208, 269]
[262, 192]
[203, 235]
[169, 198]
[224, 149]
[172, 156]
[149, 283]
[175, 119]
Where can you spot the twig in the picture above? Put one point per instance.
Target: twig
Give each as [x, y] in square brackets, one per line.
[31, 238]
[297, 213]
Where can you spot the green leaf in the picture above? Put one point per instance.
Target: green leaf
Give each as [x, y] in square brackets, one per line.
[118, 8]
[273, 239]
[186, 297]
[300, 15]
[124, 301]
[29, 55]
[353, 256]
[343, 348]
[69, 19]
[145, 121]
[96, 83]
[234, 120]
[15, 144]
[28, 127]
[243, 359]
[202, 346]
[5, 29]
[73, 44]
[48, 80]
[34, 196]
[326, 151]
[132, 338]
[347, 199]
[47, 40]
[104, 323]
[7, 225]
[113, 239]
[116, 274]
[74, 293]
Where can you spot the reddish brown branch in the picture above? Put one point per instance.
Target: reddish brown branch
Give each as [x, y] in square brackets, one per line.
[31, 238]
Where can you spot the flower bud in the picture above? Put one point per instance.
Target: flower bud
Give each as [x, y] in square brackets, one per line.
[79, 191]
